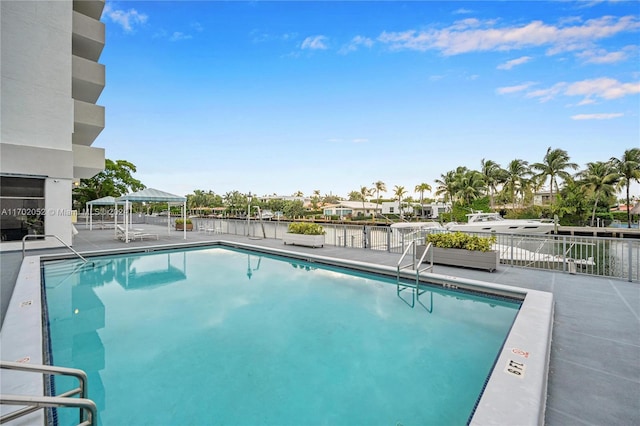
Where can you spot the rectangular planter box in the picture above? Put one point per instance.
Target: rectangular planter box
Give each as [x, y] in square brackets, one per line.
[488, 260]
[303, 240]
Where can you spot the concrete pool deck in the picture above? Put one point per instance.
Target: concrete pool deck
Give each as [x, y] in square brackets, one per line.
[594, 375]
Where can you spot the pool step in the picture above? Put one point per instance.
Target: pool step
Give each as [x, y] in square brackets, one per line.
[417, 268]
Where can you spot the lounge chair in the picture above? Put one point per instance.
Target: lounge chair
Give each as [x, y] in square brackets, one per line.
[142, 235]
[134, 235]
[120, 233]
[209, 229]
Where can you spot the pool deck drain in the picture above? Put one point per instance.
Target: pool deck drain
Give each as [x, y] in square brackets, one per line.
[594, 375]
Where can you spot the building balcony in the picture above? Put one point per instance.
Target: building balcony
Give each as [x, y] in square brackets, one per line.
[87, 161]
[88, 79]
[88, 122]
[88, 36]
[91, 8]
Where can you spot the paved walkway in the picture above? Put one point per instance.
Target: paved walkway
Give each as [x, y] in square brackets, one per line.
[594, 376]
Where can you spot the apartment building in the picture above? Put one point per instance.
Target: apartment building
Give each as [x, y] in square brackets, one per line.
[51, 81]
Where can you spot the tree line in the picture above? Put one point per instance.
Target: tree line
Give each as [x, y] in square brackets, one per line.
[573, 193]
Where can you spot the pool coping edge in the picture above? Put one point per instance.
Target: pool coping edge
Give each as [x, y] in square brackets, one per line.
[530, 334]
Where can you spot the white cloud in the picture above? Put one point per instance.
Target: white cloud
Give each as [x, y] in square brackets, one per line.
[465, 23]
[315, 43]
[586, 102]
[606, 116]
[355, 140]
[126, 19]
[592, 3]
[355, 43]
[606, 88]
[545, 95]
[261, 37]
[514, 89]
[177, 36]
[601, 56]
[472, 35]
[462, 11]
[602, 88]
[512, 63]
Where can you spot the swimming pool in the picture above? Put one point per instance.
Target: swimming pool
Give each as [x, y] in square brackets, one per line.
[225, 336]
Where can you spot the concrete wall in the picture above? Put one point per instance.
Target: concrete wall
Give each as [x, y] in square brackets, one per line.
[58, 204]
[37, 108]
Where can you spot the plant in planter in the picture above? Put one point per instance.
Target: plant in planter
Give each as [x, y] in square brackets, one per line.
[460, 240]
[460, 249]
[180, 224]
[35, 224]
[304, 234]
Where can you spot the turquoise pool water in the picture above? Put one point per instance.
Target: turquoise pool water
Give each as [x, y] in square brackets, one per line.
[227, 337]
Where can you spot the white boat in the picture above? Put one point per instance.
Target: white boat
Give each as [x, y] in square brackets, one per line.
[493, 222]
[406, 227]
[529, 257]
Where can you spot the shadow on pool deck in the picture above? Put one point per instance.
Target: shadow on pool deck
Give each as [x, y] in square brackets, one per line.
[594, 376]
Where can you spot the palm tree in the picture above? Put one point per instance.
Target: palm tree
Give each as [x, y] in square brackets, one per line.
[628, 168]
[398, 192]
[469, 186]
[315, 199]
[554, 165]
[330, 199]
[379, 186]
[365, 192]
[516, 178]
[600, 179]
[493, 175]
[446, 186]
[421, 188]
[355, 196]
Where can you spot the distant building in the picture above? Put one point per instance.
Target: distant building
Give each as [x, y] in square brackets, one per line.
[542, 198]
[51, 81]
[352, 208]
[266, 198]
[306, 201]
[431, 210]
[393, 207]
[620, 208]
[427, 210]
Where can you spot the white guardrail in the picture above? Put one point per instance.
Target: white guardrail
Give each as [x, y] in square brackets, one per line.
[599, 256]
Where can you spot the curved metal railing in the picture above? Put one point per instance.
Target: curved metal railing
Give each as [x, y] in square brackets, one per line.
[88, 410]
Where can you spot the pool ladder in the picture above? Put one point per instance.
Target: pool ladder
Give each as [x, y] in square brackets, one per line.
[88, 410]
[414, 264]
[32, 236]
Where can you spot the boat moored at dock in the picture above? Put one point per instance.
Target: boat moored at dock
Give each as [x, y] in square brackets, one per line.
[493, 222]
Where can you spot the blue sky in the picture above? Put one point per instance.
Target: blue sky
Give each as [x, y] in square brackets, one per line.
[286, 96]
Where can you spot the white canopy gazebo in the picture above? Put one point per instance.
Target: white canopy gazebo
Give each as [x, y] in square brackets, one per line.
[151, 195]
[104, 201]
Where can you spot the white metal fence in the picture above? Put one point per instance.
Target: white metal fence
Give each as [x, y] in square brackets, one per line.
[608, 257]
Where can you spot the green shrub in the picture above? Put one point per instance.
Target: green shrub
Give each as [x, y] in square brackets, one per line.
[181, 221]
[461, 240]
[305, 228]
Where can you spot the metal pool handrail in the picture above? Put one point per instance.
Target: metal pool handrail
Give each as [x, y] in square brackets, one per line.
[415, 262]
[88, 409]
[427, 249]
[57, 238]
[399, 266]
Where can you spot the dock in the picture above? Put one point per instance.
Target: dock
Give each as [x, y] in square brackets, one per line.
[591, 231]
